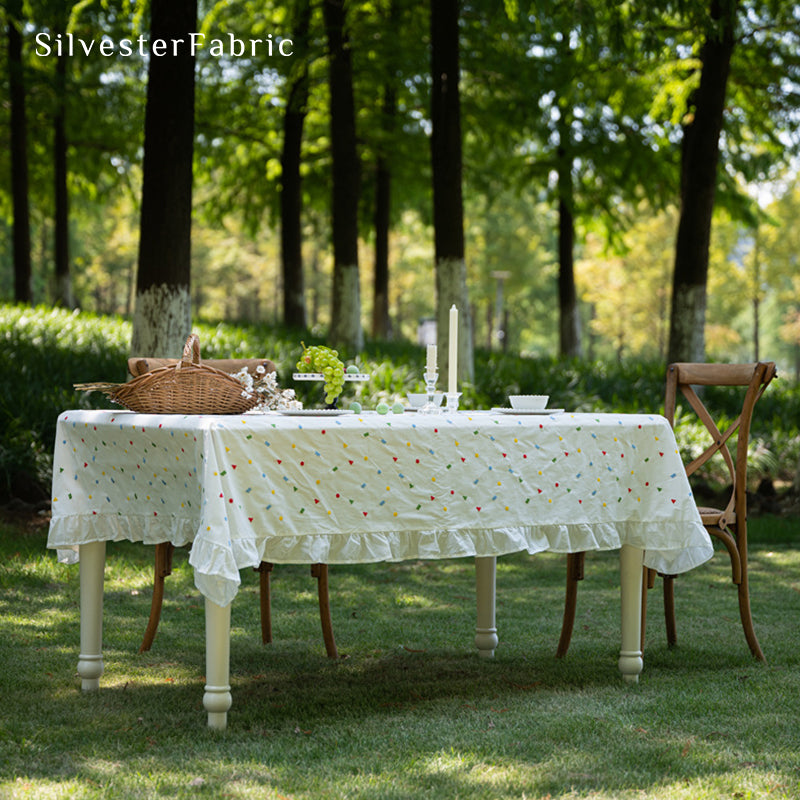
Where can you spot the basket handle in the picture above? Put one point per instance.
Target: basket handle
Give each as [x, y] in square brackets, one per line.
[191, 352]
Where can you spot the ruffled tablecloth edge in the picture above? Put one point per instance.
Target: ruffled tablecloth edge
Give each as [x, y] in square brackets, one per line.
[67, 533]
[216, 567]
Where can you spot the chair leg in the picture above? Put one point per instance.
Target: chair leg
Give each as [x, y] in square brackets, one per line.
[648, 581]
[739, 566]
[575, 562]
[747, 618]
[744, 613]
[320, 572]
[264, 569]
[669, 610]
[163, 567]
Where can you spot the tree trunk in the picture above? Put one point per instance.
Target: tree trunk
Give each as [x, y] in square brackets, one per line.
[699, 158]
[162, 318]
[19, 158]
[63, 287]
[448, 222]
[294, 308]
[381, 324]
[569, 316]
[346, 331]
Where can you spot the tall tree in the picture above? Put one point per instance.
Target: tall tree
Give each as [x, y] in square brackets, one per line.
[346, 330]
[569, 320]
[19, 156]
[63, 288]
[239, 143]
[699, 159]
[448, 209]
[381, 322]
[162, 317]
[584, 142]
[294, 308]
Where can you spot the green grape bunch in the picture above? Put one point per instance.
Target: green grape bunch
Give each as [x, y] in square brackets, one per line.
[319, 358]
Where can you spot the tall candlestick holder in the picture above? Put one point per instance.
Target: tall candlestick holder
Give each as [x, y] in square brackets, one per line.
[430, 406]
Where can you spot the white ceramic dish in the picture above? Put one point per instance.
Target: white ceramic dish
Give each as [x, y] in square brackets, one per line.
[418, 399]
[529, 402]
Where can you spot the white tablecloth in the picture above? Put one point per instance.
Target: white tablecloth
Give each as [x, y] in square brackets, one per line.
[366, 488]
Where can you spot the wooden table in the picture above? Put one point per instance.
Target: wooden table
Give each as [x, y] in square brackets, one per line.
[367, 488]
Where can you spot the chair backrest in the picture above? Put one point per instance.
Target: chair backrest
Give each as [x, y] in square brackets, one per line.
[756, 377]
[139, 366]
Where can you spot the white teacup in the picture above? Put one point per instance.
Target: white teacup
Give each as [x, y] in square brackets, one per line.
[418, 399]
[529, 402]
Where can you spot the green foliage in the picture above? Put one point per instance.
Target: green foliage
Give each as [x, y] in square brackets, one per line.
[623, 79]
[44, 352]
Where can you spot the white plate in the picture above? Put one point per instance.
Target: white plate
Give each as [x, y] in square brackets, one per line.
[314, 412]
[539, 411]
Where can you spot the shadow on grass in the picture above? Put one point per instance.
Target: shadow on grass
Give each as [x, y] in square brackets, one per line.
[411, 711]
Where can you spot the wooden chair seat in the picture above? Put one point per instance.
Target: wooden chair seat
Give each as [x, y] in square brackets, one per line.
[711, 516]
[165, 550]
[728, 525]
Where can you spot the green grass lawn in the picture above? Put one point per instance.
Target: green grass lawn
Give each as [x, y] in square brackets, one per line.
[410, 710]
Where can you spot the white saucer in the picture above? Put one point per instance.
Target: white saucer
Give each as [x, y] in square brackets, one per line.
[539, 411]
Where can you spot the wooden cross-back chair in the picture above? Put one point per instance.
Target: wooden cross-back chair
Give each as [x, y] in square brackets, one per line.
[728, 524]
[165, 550]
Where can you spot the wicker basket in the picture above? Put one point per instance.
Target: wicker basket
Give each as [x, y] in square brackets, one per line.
[187, 387]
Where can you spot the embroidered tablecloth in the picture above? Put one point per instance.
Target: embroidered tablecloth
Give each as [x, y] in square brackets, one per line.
[364, 488]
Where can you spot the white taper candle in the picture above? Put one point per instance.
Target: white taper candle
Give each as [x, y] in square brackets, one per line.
[430, 366]
[452, 360]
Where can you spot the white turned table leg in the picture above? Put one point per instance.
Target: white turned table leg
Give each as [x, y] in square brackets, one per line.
[217, 698]
[485, 585]
[90, 660]
[630, 656]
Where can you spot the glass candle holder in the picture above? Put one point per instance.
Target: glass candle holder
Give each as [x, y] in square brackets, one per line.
[452, 402]
[430, 406]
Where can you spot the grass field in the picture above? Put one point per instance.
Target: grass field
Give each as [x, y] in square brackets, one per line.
[410, 710]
